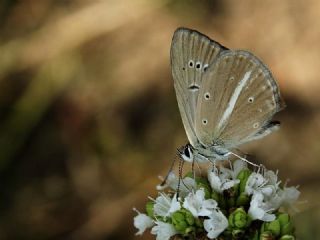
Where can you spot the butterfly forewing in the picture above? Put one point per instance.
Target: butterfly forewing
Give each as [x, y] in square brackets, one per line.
[191, 55]
[237, 100]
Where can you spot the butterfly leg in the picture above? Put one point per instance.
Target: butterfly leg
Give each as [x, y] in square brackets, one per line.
[243, 159]
[168, 173]
[181, 163]
[192, 169]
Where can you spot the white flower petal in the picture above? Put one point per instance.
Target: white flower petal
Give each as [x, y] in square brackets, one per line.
[254, 183]
[271, 177]
[164, 206]
[173, 183]
[216, 224]
[142, 222]
[222, 179]
[175, 205]
[268, 190]
[164, 231]
[214, 180]
[259, 209]
[229, 184]
[291, 194]
[198, 205]
[238, 166]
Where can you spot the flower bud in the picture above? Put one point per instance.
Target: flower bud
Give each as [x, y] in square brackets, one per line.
[206, 188]
[267, 236]
[255, 236]
[287, 237]
[283, 218]
[220, 200]
[215, 196]
[200, 180]
[182, 221]
[285, 224]
[198, 223]
[243, 177]
[231, 196]
[149, 209]
[242, 200]
[273, 227]
[239, 219]
[238, 233]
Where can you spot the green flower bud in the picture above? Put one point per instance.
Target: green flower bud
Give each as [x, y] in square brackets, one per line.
[198, 223]
[287, 229]
[238, 233]
[283, 218]
[200, 180]
[255, 236]
[285, 224]
[220, 200]
[273, 227]
[243, 177]
[287, 237]
[215, 196]
[231, 196]
[231, 202]
[266, 236]
[242, 200]
[149, 209]
[239, 219]
[183, 220]
[206, 188]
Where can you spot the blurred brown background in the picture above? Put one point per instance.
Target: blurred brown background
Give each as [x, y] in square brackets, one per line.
[89, 119]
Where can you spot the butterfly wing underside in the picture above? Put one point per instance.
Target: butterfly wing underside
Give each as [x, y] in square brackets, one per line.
[237, 100]
[191, 55]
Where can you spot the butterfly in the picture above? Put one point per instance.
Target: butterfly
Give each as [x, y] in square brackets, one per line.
[226, 97]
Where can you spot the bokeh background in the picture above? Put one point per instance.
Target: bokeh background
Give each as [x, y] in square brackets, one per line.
[89, 119]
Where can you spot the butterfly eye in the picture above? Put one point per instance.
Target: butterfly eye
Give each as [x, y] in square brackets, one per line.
[250, 99]
[207, 96]
[187, 152]
[231, 78]
[205, 67]
[191, 64]
[198, 65]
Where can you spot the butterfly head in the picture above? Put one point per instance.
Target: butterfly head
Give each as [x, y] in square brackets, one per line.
[186, 153]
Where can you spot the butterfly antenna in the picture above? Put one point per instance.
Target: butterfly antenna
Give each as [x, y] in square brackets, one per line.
[243, 159]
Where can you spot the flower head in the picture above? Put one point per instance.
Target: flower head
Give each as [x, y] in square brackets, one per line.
[222, 205]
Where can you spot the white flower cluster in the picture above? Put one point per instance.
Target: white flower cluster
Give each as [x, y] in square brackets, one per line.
[267, 196]
[262, 188]
[195, 202]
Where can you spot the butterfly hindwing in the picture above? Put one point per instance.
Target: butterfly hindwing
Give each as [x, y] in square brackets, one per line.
[191, 55]
[237, 100]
